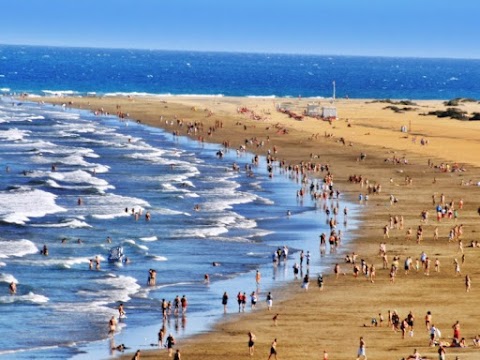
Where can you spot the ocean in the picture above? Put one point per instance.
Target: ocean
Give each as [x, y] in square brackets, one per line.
[53, 70]
[50, 157]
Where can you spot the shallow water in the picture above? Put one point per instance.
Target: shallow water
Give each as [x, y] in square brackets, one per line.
[113, 166]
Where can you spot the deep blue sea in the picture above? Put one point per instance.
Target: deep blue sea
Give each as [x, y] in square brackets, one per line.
[43, 70]
[61, 309]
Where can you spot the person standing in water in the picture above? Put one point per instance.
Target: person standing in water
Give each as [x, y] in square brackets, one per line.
[225, 302]
[258, 277]
[112, 324]
[13, 288]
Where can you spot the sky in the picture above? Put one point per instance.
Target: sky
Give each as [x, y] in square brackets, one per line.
[409, 28]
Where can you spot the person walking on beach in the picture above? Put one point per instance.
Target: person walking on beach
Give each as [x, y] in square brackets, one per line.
[239, 300]
[468, 283]
[177, 356]
[258, 277]
[362, 349]
[456, 265]
[441, 353]
[184, 303]
[336, 270]
[269, 301]
[273, 349]
[253, 299]
[161, 336]
[275, 319]
[251, 343]
[456, 331]
[225, 302]
[428, 320]
[170, 343]
[306, 281]
[176, 305]
[136, 356]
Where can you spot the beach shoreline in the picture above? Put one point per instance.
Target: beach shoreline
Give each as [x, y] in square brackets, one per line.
[371, 130]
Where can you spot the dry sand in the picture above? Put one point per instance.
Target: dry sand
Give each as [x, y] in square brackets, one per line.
[334, 319]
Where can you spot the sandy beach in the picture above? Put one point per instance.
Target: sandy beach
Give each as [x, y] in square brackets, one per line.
[411, 169]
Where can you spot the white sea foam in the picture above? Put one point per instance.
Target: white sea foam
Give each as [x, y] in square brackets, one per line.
[149, 238]
[145, 94]
[239, 239]
[8, 278]
[200, 232]
[36, 117]
[110, 206]
[73, 159]
[256, 185]
[20, 205]
[135, 245]
[119, 288]
[159, 258]
[78, 177]
[155, 157]
[17, 248]
[59, 93]
[264, 201]
[55, 185]
[261, 96]
[63, 263]
[30, 297]
[13, 134]
[227, 202]
[39, 348]
[70, 223]
[163, 211]
[99, 307]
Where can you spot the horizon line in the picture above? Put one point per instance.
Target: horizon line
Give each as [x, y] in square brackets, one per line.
[238, 52]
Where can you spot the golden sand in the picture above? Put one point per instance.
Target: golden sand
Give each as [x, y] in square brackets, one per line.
[335, 318]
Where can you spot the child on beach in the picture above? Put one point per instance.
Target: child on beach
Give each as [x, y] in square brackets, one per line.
[251, 343]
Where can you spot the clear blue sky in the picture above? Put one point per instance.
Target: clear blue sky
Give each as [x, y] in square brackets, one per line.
[423, 28]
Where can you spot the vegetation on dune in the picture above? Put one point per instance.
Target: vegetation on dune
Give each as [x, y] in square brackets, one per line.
[458, 101]
[399, 102]
[452, 113]
[399, 109]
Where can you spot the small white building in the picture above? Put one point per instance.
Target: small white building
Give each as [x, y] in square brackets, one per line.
[329, 112]
[285, 106]
[313, 110]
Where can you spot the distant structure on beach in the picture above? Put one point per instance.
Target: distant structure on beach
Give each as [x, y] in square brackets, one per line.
[324, 112]
[329, 112]
[313, 110]
[285, 106]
